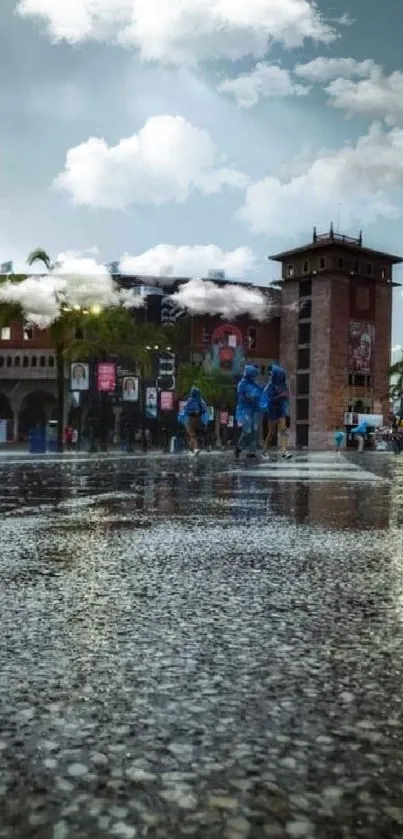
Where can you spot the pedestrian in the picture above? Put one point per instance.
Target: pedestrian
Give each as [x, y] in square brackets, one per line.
[338, 438]
[68, 437]
[248, 411]
[360, 431]
[194, 414]
[74, 439]
[396, 436]
[275, 402]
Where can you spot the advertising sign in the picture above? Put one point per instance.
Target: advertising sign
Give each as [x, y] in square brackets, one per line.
[226, 352]
[230, 421]
[166, 372]
[130, 389]
[210, 413]
[167, 400]
[79, 376]
[106, 376]
[223, 417]
[151, 402]
[361, 340]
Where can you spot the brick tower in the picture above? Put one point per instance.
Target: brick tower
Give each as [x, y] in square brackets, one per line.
[336, 322]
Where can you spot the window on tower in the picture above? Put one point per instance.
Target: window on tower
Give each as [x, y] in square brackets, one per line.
[252, 338]
[305, 288]
[304, 333]
[362, 298]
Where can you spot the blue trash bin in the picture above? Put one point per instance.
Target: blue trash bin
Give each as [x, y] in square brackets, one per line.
[37, 441]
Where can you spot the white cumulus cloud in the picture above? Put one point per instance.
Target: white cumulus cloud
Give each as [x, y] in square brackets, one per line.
[191, 31]
[202, 296]
[359, 177]
[378, 97]
[167, 160]
[75, 282]
[265, 81]
[322, 69]
[168, 261]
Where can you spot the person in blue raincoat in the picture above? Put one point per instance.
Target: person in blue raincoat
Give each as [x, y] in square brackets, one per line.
[193, 414]
[360, 431]
[248, 411]
[275, 403]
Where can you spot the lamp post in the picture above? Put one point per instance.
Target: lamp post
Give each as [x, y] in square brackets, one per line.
[95, 310]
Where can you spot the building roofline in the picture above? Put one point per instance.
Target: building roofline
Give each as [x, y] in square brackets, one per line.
[322, 244]
[326, 240]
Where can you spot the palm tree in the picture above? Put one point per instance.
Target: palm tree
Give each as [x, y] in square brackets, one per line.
[60, 333]
[39, 255]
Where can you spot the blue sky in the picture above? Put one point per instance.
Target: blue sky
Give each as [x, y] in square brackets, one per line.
[197, 167]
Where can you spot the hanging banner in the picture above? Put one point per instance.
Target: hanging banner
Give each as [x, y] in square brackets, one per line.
[361, 340]
[226, 352]
[130, 389]
[230, 421]
[79, 376]
[210, 410]
[151, 402]
[223, 417]
[167, 400]
[106, 377]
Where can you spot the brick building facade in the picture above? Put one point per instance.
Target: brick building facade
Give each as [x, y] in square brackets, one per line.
[335, 337]
[330, 326]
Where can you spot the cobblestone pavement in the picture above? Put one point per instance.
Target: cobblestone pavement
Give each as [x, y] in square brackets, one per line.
[190, 648]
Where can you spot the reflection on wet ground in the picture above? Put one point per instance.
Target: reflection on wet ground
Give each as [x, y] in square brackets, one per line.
[194, 649]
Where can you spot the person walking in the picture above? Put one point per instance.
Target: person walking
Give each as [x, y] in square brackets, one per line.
[396, 436]
[338, 439]
[275, 402]
[193, 415]
[248, 411]
[360, 432]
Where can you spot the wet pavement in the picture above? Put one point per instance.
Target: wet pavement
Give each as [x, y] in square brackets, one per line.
[194, 648]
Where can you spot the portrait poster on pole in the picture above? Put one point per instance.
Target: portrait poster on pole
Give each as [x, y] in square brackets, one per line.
[79, 376]
[151, 402]
[130, 389]
[106, 377]
[167, 400]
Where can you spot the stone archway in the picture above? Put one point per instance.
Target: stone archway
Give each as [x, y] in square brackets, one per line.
[37, 408]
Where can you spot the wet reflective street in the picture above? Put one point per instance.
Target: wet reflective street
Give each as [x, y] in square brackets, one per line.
[198, 648]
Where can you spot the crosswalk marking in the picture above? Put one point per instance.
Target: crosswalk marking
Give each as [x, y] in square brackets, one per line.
[313, 467]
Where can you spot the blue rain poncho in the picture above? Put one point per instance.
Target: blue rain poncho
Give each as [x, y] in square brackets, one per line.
[274, 400]
[249, 394]
[362, 428]
[194, 405]
[338, 438]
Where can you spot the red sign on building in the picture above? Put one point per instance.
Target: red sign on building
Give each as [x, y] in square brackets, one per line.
[106, 376]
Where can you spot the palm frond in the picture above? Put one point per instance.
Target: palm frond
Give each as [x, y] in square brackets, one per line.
[40, 255]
